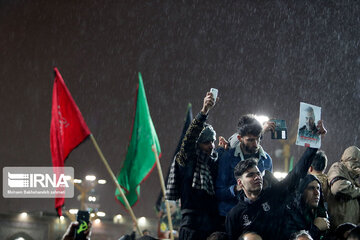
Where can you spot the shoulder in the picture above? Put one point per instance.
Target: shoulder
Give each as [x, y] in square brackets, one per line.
[337, 169]
[267, 155]
[225, 155]
[236, 211]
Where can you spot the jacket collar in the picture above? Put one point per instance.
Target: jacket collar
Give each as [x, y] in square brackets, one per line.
[238, 152]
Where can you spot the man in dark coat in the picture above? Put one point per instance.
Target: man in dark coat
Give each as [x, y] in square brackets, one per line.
[261, 211]
[192, 177]
[306, 211]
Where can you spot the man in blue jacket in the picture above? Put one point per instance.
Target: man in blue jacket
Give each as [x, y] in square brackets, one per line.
[246, 145]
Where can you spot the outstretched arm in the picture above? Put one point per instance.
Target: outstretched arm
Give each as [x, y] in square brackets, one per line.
[300, 169]
[188, 146]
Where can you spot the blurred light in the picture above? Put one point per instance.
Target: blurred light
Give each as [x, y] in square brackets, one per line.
[67, 177]
[118, 219]
[100, 214]
[278, 153]
[142, 221]
[62, 218]
[92, 214]
[73, 211]
[92, 199]
[102, 181]
[262, 119]
[20, 238]
[23, 215]
[97, 221]
[77, 181]
[280, 175]
[90, 178]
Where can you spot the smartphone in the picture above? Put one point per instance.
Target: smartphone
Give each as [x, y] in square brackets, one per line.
[214, 92]
[280, 129]
[83, 219]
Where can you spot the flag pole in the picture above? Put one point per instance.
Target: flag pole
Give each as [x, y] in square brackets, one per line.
[162, 183]
[116, 183]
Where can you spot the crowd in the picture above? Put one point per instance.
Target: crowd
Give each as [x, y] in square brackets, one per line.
[229, 192]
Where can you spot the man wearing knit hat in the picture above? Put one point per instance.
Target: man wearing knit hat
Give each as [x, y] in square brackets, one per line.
[343, 202]
[192, 177]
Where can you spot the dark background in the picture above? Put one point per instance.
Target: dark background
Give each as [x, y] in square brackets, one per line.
[263, 56]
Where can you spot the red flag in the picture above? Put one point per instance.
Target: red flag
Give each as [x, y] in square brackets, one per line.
[68, 128]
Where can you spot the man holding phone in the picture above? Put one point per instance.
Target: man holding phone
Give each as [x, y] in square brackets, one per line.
[192, 177]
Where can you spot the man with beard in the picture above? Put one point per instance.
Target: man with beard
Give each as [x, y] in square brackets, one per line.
[309, 130]
[262, 210]
[248, 146]
[306, 210]
[343, 202]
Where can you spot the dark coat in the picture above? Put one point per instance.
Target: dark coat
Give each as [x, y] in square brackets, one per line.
[300, 217]
[265, 215]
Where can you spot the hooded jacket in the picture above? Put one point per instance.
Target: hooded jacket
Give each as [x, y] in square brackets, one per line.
[343, 202]
[299, 216]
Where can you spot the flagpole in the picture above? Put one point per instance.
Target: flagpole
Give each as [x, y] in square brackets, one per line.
[162, 183]
[116, 183]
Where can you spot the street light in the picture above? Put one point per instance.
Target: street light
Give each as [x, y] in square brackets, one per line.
[101, 181]
[90, 178]
[77, 181]
[262, 118]
[73, 211]
[23, 215]
[142, 221]
[100, 214]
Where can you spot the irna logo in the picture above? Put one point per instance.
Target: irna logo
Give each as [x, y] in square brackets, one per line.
[19, 180]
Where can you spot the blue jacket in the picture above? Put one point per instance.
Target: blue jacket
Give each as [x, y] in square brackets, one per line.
[226, 181]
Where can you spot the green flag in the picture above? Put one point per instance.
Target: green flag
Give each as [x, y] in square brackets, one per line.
[140, 158]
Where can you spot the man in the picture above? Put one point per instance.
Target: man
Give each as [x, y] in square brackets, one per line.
[343, 202]
[250, 236]
[306, 211]
[317, 169]
[302, 235]
[261, 210]
[249, 133]
[192, 177]
[309, 130]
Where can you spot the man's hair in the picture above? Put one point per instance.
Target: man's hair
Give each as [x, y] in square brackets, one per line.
[354, 233]
[246, 234]
[218, 236]
[249, 125]
[310, 110]
[302, 233]
[243, 166]
[342, 228]
[320, 161]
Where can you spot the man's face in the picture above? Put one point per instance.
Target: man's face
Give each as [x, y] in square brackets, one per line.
[302, 238]
[310, 121]
[311, 194]
[353, 166]
[249, 143]
[207, 147]
[251, 181]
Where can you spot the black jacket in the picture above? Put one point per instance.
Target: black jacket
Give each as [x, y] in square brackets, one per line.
[194, 200]
[265, 215]
[299, 217]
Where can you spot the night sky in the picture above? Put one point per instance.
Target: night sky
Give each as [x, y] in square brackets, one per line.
[265, 57]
